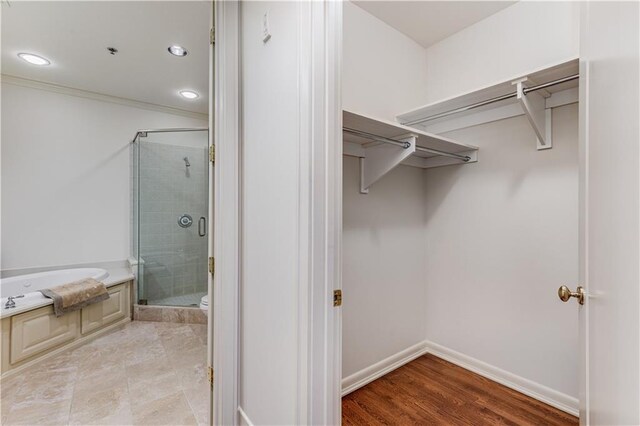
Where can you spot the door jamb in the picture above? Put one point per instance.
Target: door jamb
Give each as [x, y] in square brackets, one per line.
[225, 285]
[321, 124]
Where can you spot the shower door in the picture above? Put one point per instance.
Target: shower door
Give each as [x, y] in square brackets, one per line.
[171, 220]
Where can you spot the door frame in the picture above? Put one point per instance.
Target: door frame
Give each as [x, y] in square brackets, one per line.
[224, 286]
[319, 337]
[323, 98]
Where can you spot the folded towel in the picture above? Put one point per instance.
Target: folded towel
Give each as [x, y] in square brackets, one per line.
[76, 295]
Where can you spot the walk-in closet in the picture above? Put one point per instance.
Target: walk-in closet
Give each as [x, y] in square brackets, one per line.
[460, 214]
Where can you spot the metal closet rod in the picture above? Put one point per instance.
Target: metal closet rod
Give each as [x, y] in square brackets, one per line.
[404, 145]
[493, 100]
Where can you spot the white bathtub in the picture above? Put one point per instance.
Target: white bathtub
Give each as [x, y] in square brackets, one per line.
[28, 285]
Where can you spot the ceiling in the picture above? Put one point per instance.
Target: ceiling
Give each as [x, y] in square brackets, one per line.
[74, 36]
[428, 22]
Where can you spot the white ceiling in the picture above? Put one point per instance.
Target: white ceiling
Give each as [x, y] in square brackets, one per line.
[428, 22]
[74, 36]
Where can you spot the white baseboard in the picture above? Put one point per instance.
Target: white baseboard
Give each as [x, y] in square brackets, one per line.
[244, 419]
[530, 388]
[379, 369]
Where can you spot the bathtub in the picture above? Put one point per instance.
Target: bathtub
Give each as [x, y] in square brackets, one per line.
[31, 332]
[28, 285]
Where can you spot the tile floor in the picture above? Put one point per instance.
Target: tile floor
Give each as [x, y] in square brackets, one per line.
[143, 373]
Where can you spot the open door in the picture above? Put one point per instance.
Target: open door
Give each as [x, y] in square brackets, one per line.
[610, 206]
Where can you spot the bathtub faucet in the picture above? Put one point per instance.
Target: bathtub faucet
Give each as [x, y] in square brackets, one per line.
[12, 303]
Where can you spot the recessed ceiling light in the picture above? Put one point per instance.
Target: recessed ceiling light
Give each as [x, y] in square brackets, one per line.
[177, 50]
[33, 59]
[189, 94]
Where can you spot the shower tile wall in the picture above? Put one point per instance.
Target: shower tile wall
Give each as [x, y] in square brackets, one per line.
[174, 258]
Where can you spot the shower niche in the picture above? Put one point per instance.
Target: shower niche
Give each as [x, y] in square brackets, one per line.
[170, 191]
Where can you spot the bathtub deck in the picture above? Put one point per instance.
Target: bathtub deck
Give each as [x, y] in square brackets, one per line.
[141, 373]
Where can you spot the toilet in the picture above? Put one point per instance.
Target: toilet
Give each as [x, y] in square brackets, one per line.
[204, 304]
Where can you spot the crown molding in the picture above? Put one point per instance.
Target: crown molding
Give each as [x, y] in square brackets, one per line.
[55, 88]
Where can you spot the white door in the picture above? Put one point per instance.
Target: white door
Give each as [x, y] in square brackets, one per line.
[610, 231]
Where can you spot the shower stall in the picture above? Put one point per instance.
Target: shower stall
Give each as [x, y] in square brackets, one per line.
[170, 200]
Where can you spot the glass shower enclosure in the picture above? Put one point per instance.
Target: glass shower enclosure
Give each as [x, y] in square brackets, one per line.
[170, 200]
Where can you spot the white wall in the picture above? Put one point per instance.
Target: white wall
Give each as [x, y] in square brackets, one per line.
[502, 233]
[510, 43]
[270, 194]
[66, 176]
[384, 71]
[502, 236]
[383, 266]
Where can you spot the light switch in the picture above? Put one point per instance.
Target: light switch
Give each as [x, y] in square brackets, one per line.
[266, 33]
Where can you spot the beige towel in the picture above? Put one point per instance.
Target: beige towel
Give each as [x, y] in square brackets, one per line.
[76, 295]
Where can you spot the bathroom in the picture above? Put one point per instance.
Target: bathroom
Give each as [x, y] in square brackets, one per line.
[105, 180]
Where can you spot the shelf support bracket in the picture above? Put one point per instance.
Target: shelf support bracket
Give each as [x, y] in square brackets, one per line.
[380, 159]
[533, 105]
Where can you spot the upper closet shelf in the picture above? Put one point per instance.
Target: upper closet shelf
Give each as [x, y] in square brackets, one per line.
[532, 94]
[382, 145]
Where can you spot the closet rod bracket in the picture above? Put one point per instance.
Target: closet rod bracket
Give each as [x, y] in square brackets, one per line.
[534, 107]
[381, 158]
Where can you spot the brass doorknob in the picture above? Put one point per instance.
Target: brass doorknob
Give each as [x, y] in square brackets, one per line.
[565, 294]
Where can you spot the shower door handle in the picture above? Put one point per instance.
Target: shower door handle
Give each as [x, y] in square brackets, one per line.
[202, 226]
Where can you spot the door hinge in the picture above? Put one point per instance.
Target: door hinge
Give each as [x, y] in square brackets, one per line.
[210, 375]
[212, 154]
[337, 297]
[212, 265]
[212, 36]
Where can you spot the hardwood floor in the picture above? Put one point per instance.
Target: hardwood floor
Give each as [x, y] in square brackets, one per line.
[432, 391]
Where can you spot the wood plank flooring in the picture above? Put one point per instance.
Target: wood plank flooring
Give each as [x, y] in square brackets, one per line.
[432, 391]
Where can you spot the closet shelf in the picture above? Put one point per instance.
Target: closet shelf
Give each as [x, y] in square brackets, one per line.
[382, 145]
[532, 94]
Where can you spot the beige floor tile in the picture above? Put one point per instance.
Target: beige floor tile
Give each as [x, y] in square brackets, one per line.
[140, 373]
[43, 413]
[61, 362]
[101, 405]
[43, 387]
[200, 331]
[85, 351]
[169, 331]
[122, 417]
[8, 390]
[99, 367]
[170, 410]
[108, 380]
[192, 375]
[198, 399]
[150, 353]
[154, 387]
[144, 370]
[178, 344]
[188, 355]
